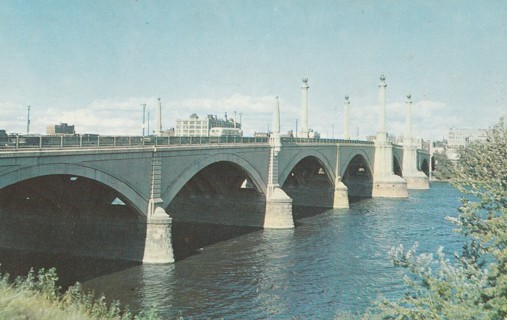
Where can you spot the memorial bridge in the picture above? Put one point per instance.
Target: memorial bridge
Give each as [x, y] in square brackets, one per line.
[116, 197]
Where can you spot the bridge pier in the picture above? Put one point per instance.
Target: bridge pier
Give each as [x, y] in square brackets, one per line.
[341, 191]
[158, 247]
[341, 195]
[278, 214]
[385, 183]
[390, 187]
[415, 178]
[420, 182]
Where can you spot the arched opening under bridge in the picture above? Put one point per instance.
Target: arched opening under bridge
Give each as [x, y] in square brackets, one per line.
[425, 167]
[358, 178]
[309, 184]
[219, 202]
[397, 167]
[63, 214]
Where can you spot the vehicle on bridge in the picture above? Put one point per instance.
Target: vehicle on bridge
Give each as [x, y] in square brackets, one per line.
[225, 132]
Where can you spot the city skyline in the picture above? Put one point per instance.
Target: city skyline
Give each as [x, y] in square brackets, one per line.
[94, 64]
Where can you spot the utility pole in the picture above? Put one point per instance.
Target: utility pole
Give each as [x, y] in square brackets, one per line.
[144, 115]
[382, 112]
[346, 104]
[28, 121]
[158, 128]
[304, 108]
[149, 123]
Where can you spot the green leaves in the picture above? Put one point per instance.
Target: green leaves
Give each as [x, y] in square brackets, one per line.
[37, 296]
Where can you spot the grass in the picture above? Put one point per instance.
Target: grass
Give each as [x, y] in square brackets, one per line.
[37, 296]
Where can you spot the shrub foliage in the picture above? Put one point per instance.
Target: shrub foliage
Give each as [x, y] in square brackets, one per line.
[37, 296]
[444, 167]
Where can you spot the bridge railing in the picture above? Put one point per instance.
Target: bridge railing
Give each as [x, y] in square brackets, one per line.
[22, 142]
[288, 140]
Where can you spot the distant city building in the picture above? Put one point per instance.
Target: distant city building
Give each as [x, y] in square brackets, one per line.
[3, 137]
[423, 144]
[440, 144]
[168, 133]
[197, 127]
[289, 134]
[60, 129]
[313, 134]
[462, 137]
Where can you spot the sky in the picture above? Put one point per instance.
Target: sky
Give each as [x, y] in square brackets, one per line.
[93, 63]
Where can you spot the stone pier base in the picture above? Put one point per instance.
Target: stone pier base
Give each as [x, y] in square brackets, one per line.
[390, 187]
[418, 182]
[278, 211]
[341, 196]
[158, 246]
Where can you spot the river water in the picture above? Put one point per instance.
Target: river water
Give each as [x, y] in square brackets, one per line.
[333, 262]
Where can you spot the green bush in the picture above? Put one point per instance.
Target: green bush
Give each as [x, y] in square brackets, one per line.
[444, 167]
[37, 296]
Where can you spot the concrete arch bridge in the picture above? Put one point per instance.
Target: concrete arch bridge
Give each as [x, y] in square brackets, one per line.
[145, 187]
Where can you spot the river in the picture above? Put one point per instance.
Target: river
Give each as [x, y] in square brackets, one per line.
[334, 261]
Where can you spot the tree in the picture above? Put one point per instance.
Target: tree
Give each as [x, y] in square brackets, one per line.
[474, 284]
[443, 168]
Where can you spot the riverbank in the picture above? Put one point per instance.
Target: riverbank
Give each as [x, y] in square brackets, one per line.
[38, 297]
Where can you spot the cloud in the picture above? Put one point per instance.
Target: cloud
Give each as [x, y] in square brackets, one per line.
[431, 119]
[13, 117]
[124, 117]
[236, 102]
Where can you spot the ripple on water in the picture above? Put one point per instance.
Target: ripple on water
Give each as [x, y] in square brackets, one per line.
[332, 262]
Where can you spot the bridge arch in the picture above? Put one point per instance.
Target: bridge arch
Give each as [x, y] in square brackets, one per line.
[310, 181]
[132, 196]
[425, 167]
[193, 169]
[397, 169]
[347, 157]
[219, 189]
[358, 176]
[294, 161]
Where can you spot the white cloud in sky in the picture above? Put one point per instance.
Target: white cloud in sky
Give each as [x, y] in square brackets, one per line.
[124, 117]
[431, 119]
